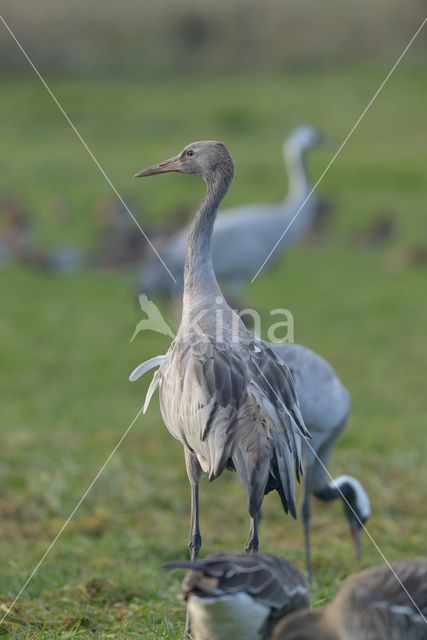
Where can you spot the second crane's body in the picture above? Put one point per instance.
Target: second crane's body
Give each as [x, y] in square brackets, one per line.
[325, 406]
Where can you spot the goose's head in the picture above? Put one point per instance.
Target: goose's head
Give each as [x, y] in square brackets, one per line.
[303, 138]
[205, 159]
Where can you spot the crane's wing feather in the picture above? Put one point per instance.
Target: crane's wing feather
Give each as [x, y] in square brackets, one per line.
[234, 405]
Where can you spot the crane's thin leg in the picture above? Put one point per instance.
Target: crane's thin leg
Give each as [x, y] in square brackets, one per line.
[305, 513]
[195, 541]
[252, 543]
[194, 472]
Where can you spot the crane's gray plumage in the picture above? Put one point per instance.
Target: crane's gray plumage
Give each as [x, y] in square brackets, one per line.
[244, 593]
[244, 235]
[224, 394]
[377, 604]
[325, 406]
[323, 398]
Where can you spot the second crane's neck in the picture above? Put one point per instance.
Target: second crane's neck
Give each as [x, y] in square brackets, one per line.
[199, 276]
[299, 182]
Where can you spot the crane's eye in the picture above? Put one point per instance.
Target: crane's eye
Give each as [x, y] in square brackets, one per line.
[189, 152]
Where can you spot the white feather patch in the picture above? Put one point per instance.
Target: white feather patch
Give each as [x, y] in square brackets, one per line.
[362, 498]
[237, 616]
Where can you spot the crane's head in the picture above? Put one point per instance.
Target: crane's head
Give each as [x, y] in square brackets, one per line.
[357, 507]
[303, 138]
[205, 159]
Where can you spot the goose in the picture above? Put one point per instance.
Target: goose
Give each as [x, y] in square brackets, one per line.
[380, 603]
[239, 595]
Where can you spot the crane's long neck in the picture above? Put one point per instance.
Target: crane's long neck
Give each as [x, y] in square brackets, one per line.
[345, 487]
[299, 183]
[199, 276]
[328, 493]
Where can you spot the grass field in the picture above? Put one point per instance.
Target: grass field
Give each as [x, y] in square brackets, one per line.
[66, 354]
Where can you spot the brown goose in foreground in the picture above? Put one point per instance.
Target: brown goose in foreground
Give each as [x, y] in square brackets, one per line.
[377, 604]
[240, 596]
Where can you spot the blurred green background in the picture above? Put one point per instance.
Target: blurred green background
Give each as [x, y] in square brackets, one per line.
[140, 80]
[133, 36]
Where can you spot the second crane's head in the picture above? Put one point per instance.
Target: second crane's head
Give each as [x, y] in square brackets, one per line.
[302, 139]
[356, 503]
[209, 159]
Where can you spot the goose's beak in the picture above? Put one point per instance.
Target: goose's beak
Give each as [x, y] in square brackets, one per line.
[173, 164]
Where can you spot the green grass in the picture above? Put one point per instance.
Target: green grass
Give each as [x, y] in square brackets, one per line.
[66, 353]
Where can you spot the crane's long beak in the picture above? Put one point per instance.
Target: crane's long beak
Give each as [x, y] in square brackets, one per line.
[356, 536]
[173, 164]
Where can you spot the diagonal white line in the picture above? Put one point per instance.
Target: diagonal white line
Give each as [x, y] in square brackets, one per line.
[66, 523]
[307, 441]
[85, 145]
[342, 145]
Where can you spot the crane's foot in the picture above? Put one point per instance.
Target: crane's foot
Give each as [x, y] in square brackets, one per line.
[195, 545]
[252, 543]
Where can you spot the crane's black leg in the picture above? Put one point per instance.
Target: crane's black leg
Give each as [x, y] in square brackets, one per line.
[195, 541]
[194, 472]
[252, 543]
[305, 513]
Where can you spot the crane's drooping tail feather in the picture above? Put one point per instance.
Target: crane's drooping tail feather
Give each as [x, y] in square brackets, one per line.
[283, 473]
[146, 366]
[142, 368]
[266, 454]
